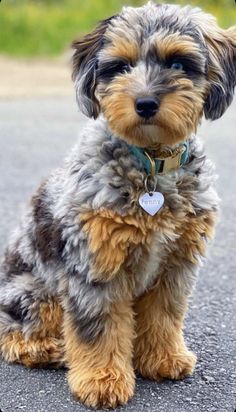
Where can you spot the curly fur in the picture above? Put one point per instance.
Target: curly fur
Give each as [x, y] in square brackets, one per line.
[89, 279]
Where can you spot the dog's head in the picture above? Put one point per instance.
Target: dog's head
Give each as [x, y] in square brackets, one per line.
[154, 71]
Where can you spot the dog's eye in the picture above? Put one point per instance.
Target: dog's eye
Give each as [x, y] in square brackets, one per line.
[107, 70]
[177, 66]
[121, 68]
[189, 65]
[118, 68]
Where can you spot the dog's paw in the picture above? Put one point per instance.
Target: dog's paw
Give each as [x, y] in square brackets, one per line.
[177, 366]
[33, 353]
[170, 366]
[106, 388]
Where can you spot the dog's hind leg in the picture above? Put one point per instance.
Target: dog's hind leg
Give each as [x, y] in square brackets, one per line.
[30, 319]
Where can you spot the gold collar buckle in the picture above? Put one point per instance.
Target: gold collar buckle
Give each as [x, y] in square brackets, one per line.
[172, 162]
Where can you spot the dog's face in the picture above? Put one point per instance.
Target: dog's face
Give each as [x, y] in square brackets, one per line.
[154, 71]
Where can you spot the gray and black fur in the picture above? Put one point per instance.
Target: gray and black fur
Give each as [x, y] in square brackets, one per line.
[48, 255]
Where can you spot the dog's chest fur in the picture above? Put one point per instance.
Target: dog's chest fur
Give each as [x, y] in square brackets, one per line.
[149, 264]
[98, 192]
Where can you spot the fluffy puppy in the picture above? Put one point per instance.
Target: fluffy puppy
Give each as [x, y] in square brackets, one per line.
[99, 272]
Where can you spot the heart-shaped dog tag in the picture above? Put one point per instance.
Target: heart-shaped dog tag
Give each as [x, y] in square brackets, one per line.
[151, 202]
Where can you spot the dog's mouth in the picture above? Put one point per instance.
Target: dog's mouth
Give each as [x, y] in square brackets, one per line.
[147, 122]
[153, 123]
[151, 132]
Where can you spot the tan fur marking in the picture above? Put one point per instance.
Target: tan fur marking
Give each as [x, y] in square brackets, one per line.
[118, 103]
[51, 316]
[110, 235]
[44, 346]
[184, 108]
[101, 374]
[33, 353]
[173, 44]
[192, 242]
[159, 349]
[122, 48]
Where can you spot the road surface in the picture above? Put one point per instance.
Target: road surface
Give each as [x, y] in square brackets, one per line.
[35, 134]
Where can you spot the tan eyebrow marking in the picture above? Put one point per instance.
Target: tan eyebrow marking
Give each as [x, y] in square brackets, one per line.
[122, 48]
[174, 44]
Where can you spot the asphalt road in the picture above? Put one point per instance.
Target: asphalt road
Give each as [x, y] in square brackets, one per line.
[34, 137]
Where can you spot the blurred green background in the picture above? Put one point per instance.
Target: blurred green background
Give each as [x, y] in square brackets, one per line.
[46, 27]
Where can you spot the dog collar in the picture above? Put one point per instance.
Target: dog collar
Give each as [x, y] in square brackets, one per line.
[158, 165]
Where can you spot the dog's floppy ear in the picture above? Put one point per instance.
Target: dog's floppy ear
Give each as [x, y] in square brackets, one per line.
[84, 68]
[221, 45]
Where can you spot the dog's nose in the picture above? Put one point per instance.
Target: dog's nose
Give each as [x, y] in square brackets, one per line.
[146, 106]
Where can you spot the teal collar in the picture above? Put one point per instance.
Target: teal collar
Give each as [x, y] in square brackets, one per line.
[158, 165]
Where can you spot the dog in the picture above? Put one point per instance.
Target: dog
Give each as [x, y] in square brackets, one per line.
[98, 274]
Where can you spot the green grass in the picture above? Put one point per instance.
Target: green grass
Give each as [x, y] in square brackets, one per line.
[46, 27]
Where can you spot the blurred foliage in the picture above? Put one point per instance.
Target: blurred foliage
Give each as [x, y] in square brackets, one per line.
[46, 27]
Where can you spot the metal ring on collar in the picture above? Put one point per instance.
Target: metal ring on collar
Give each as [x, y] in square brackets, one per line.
[150, 183]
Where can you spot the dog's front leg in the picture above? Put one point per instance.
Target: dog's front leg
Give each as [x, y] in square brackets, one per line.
[159, 349]
[99, 353]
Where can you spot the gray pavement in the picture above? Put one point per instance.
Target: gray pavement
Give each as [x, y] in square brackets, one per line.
[34, 137]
